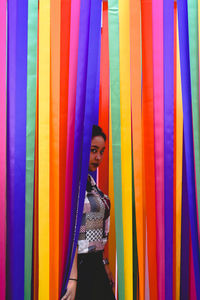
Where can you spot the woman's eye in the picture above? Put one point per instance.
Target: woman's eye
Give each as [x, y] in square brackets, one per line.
[102, 152]
[93, 150]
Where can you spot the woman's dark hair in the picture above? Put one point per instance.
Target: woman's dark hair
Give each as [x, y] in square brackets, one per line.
[97, 131]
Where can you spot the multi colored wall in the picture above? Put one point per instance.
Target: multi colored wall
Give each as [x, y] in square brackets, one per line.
[131, 66]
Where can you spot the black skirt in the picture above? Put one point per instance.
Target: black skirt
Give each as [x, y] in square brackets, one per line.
[93, 282]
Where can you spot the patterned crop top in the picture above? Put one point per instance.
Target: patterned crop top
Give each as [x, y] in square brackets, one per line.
[95, 220]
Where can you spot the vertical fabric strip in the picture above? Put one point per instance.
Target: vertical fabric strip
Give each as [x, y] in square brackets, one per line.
[113, 19]
[35, 227]
[92, 74]
[30, 142]
[192, 289]
[174, 154]
[11, 86]
[3, 149]
[16, 148]
[157, 17]
[126, 154]
[54, 213]
[112, 236]
[64, 89]
[168, 22]
[188, 135]
[135, 50]
[20, 151]
[84, 24]
[179, 160]
[104, 100]
[148, 143]
[73, 62]
[184, 275]
[43, 152]
[194, 73]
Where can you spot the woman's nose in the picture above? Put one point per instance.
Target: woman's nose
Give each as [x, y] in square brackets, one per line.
[98, 156]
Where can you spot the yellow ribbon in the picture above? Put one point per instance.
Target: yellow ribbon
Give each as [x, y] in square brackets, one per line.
[126, 158]
[44, 132]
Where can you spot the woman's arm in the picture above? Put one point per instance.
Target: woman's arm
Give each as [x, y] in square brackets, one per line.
[71, 287]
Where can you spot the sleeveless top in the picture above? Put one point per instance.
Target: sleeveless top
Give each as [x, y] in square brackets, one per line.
[95, 222]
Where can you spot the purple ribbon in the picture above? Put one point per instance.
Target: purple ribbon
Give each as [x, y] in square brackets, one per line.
[92, 93]
[85, 98]
[17, 79]
[168, 36]
[79, 121]
[188, 134]
[11, 82]
[185, 236]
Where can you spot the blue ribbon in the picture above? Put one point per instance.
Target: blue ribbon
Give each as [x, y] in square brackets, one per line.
[188, 134]
[88, 72]
[168, 37]
[84, 24]
[11, 83]
[17, 146]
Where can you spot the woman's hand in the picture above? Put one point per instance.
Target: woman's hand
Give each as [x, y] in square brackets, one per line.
[71, 287]
[71, 290]
[109, 274]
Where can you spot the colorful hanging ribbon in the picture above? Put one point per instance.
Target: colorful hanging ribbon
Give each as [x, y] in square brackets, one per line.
[92, 74]
[90, 101]
[179, 163]
[192, 289]
[157, 16]
[64, 90]
[17, 64]
[194, 71]
[35, 220]
[73, 62]
[126, 154]
[135, 67]
[54, 213]
[84, 24]
[3, 149]
[112, 236]
[188, 135]
[30, 142]
[44, 151]
[113, 18]
[104, 99]
[168, 39]
[103, 109]
[148, 143]
[184, 277]
[11, 82]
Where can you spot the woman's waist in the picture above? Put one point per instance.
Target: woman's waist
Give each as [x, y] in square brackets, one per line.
[91, 256]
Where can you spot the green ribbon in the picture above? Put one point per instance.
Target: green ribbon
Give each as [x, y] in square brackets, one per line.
[194, 72]
[135, 256]
[113, 18]
[30, 142]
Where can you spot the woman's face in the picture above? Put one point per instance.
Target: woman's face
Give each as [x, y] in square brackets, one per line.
[96, 152]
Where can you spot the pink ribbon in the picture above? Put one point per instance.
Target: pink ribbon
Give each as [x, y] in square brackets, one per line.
[73, 60]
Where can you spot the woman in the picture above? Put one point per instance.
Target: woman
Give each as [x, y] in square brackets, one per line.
[90, 278]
